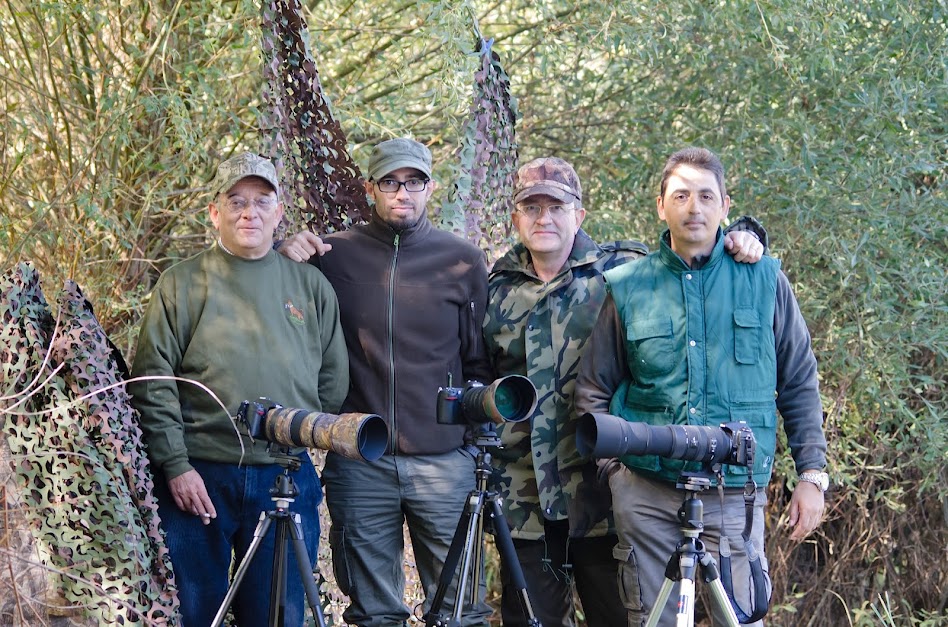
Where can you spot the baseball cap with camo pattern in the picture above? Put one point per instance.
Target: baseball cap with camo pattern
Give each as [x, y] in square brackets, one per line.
[230, 172]
[548, 176]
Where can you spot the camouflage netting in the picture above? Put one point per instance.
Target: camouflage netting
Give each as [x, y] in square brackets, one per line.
[320, 179]
[483, 190]
[77, 454]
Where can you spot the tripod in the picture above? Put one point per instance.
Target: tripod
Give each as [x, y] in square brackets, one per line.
[283, 492]
[688, 555]
[467, 545]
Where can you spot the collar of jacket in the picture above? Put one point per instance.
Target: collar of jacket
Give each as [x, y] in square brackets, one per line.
[677, 265]
[517, 259]
[380, 230]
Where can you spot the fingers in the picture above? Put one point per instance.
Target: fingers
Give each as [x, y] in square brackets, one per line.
[744, 247]
[806, 526]
[806, 510]
[302, 246]
[190, 495]
[206, 509]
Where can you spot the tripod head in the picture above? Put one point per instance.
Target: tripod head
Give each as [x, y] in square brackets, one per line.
[485, 435]
[284, 491]
[691, 512]
[697, 480]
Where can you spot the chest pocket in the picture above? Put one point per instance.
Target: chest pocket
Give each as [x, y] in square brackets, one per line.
[651, 346]
[746, 335]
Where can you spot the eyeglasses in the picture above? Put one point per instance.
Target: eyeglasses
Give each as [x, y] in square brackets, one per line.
[264, 204]
[391, 186]
[533, 211]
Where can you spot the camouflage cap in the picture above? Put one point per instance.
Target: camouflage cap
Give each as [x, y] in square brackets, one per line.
[230, 172]
[397, 153]
[549, 176]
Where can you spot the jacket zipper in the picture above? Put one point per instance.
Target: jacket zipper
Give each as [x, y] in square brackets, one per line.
[391, 345]
[472, 330]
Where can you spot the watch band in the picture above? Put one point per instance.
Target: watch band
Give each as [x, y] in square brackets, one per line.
[818, 478]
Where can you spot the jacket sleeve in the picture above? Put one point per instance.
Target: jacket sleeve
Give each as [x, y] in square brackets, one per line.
[474, 362]
[157, 400]
[334, 370]
[798, 392]
[603, 366]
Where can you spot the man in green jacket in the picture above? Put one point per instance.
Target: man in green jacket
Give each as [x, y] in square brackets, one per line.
[544, 298]
[237, 321]
[709, 342]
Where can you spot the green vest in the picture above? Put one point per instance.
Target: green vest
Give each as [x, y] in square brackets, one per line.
[700, 350]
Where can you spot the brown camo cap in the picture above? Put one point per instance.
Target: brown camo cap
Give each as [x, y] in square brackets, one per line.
[549, 176]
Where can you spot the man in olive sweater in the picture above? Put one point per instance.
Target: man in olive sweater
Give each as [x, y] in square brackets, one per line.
[243, 322]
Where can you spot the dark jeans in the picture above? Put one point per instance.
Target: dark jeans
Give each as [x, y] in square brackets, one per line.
[202, 554]
[551, 566]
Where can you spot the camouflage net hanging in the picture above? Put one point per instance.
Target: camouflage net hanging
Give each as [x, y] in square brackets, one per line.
[78, 456]
[321, 182]
[481, 202]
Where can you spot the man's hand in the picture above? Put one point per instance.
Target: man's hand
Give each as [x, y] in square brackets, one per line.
[190, 495]
[743, 246]
[806, 509]
[303, 245]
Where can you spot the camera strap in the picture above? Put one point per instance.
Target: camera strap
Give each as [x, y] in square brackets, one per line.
[760, 579]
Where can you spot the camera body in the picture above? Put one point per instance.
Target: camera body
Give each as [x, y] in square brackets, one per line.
[508, 399]
[742, 444]
[252, 416]
[449, 404]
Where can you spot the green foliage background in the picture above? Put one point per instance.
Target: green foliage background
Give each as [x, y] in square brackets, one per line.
[830, 116]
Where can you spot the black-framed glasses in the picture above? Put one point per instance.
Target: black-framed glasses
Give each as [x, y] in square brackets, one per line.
[534, 211]
[390, 186]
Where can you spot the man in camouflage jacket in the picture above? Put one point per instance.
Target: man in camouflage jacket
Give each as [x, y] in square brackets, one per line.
[544, 298]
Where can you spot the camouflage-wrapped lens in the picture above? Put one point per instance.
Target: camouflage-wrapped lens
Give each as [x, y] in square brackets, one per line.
[356, 436]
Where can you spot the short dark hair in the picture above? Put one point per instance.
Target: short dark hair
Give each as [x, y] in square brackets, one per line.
[696, 157]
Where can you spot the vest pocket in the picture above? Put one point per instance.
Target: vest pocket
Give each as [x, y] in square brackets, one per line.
[761, 417]
[746, 335]
[651, 346]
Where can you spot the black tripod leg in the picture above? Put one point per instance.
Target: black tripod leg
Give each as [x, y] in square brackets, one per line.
[458, 542]
[508, 554]
[259, 533]
[305, 567]
[278, 578]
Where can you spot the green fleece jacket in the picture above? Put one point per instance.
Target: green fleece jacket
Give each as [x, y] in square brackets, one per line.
[244, 329]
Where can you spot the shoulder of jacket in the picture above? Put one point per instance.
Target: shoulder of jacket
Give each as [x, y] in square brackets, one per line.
[625, 246]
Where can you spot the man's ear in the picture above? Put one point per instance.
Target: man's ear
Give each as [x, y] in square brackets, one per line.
[215, 214]
[660, 207]
[727, 206]
[580, 216]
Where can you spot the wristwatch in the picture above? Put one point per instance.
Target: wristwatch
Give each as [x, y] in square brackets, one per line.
[818, 478]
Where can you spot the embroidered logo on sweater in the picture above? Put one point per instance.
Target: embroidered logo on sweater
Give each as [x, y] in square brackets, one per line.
[294, 314]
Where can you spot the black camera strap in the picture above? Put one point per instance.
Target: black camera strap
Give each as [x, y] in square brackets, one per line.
[761, 586]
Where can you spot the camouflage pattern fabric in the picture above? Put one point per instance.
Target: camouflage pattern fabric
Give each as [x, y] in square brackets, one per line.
[481, 197]
[321, 183]
[540, 330]
[79, 455]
